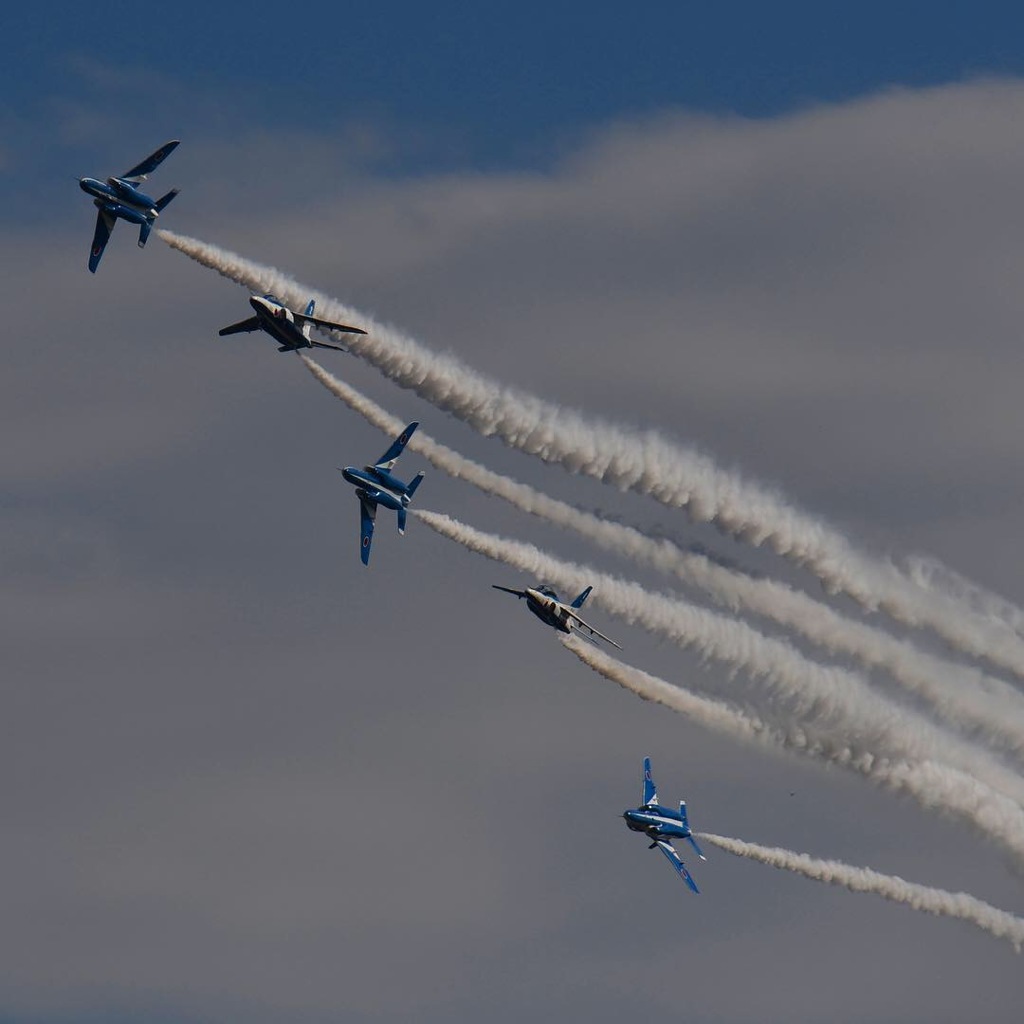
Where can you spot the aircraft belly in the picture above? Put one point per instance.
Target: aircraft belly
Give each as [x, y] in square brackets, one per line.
[279, 334]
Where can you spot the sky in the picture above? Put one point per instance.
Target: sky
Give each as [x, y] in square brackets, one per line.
[244, 775]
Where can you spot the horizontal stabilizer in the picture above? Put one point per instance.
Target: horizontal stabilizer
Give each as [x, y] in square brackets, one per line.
[327, 325]
[327, 344]
[413, 484]
[164, 200]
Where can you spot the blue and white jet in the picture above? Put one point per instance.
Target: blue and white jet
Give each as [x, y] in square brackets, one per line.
[375, 485]
[121, 198]
[290, 329]
[545, 604]
[660, 824]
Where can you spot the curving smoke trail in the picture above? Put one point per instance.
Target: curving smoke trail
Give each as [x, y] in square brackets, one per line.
[829, 701]
[963, 696]
[934, 786]
[641, 461]
[999, 923]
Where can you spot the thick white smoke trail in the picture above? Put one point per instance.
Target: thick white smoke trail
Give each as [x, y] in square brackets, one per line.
[827, 700]
[645, 462]
[934, 786]
[963, 696]
[960, 905]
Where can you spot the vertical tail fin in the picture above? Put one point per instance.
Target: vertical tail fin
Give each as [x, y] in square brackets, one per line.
[310, 307]
[578, 603]
[682, 814]
[686, 825]
[144, 229]
[401, 519]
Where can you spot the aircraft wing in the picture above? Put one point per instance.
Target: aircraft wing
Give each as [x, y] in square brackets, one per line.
[104, 225]
[151, 163]
[328, 325]
[593, 632]
[242, 327]
[650, 789]
[367, 515]
[676, 862]
[509, 590]
[390, 457]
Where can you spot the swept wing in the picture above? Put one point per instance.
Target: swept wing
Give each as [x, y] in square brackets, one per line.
[242, 327]
[367, 515]
[676, 862]
[151, 163]
[650, 795]
[390, 457]
[590, 629]
[104, 225]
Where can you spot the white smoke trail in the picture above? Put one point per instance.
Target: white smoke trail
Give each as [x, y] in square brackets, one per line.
[931, 574]
[933, 786]
[827, 699]
[963, 696]
[644, 462]
[999, 923]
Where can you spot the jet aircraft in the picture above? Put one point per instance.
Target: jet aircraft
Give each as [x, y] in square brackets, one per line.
[375, 486]
[544, 603]
[290, 329]
[120, 197]
[660, 824]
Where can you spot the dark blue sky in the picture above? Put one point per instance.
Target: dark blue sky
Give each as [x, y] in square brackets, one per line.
[495, 83]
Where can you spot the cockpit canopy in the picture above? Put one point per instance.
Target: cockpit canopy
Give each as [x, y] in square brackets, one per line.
[546, 589]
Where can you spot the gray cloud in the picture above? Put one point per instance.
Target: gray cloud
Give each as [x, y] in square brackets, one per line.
[244, 775]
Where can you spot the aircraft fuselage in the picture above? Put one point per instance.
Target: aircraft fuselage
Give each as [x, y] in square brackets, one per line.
[121, 199]
[655, 820]
[548, 610]
[277, 322]
[376, 485]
